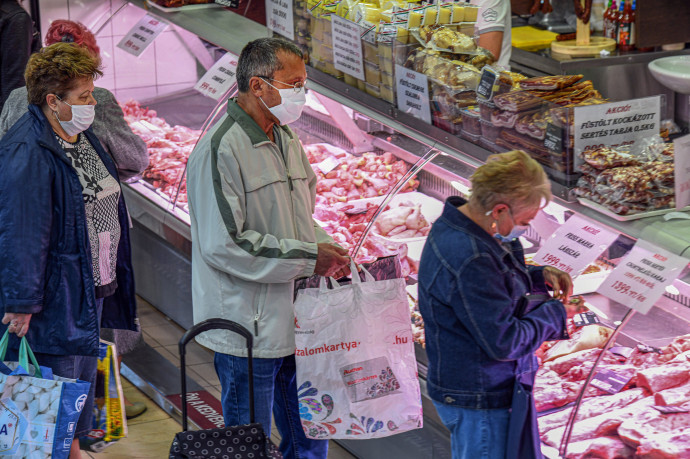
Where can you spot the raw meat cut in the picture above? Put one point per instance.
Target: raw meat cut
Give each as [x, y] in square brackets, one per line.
[592, 336]
[598, 426]
[673, 396]
[563, 364]
[591, 407]
[600, 448]
[663, 376]
[667, 445]
[650, 422]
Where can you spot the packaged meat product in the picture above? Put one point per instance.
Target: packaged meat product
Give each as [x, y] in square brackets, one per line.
[606, 158]
[600, 448]
[591, 407]
[489, 130]
[605, 424]
[627, 178]
[650, 422]
[517, 101]
[667, 445]
[664, 376]
[550, 83]
[592, 336]
[533, 124]
[471, 120]
[486, 108]
[504, 118]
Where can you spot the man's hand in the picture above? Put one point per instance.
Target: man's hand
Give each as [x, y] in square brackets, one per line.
[19, 323]
[332, 261]
[560, 282]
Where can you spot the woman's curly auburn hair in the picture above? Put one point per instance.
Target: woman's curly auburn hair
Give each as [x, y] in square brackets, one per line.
[56, 69]
[63, 30]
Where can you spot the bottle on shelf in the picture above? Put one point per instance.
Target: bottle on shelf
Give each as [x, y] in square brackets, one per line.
[626, 28]
[609, 20]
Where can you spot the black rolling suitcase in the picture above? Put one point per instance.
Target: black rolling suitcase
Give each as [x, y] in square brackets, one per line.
[235, 442]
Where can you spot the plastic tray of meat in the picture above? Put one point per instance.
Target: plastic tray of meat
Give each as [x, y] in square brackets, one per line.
[173, 9]
[624, 218]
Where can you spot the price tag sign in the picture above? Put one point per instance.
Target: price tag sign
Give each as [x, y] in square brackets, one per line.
[219, 78]
[641, 277]
[609, 381]
[486, 88]
[347, 47]
[413, 95]
[681, 147]
[279, 18]
[554, 138]
[575, 245]
[585, 318]
[616, 124]
[142, 35]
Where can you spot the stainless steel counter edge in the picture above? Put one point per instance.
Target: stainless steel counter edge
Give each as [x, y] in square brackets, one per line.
[553, 66]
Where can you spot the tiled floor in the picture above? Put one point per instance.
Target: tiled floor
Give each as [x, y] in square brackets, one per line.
[150, 434]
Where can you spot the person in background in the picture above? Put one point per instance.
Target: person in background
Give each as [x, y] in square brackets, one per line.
[126, 149]
[16, 31]
[65, 234]
[251, 197]
[481, 328]
[494, 24]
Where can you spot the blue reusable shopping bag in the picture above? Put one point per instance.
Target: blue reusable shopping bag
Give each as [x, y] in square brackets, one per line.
[47, 406]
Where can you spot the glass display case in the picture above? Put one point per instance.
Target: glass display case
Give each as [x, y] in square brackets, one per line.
[383, 177]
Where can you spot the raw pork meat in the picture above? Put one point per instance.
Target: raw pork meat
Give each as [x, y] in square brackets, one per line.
[600, 448]
[663, 376]
[650, 422]
[666, 445]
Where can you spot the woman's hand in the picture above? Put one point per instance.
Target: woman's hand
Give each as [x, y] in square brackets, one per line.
[560, 282]
[19, 323]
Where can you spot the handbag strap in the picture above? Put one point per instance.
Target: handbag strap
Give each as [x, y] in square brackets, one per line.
[214, 324]
[357, 274]
[25, 354]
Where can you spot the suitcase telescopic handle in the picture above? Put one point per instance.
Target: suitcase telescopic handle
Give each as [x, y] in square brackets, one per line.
[215, 324]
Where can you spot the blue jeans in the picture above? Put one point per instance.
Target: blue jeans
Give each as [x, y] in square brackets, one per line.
[475, 434]
[275, 390]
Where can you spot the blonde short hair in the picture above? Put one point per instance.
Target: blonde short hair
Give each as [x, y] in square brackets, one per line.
[511, 178]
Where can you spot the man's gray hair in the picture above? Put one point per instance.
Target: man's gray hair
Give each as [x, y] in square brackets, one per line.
[260, 58]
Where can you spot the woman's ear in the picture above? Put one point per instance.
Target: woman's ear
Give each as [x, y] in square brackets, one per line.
[51, 101]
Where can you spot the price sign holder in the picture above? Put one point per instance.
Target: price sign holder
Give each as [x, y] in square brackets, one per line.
[487, 84]
[615, 124]
[641, 277]
[279, 18]
[609, 381]
[575, 245]
[219, 78]
[554, 138]
[142, 35]
[682, 171]
[347, 47]
[413, 93]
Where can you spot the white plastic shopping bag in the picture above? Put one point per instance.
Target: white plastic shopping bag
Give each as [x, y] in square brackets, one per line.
[356, 366]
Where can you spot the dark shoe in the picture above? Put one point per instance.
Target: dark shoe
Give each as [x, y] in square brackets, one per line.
[135, 410]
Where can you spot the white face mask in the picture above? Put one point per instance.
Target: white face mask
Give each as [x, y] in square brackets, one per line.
[515, 232]
[82, 118]
[292, 101]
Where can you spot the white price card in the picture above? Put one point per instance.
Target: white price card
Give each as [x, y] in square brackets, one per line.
[413, 93]
[142, 35]
[616, 124]
[642, 275]
[347, 47]
[575, 245]
[219, 78]
[279, 18]
[681, 147]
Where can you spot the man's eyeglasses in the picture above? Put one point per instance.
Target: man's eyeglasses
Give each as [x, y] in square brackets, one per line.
[297, 87]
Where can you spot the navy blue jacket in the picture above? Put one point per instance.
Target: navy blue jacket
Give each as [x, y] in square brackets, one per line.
[470, 288]
[45, 256]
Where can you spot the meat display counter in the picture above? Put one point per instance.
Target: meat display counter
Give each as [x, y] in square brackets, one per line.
[367, 154]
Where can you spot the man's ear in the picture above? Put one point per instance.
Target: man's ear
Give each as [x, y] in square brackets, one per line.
[256, 86]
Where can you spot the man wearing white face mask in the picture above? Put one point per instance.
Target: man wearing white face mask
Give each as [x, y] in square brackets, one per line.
[251, 198]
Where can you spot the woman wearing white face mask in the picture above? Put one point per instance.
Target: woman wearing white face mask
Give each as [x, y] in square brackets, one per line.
[482, 329]
[63, 221]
